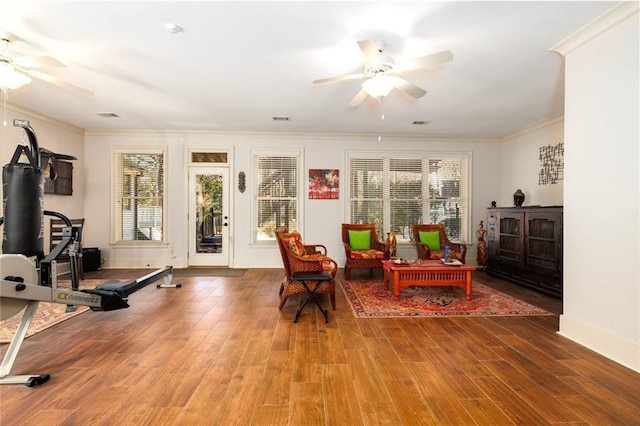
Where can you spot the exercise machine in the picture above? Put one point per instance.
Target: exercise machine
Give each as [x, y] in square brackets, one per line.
[27, 277]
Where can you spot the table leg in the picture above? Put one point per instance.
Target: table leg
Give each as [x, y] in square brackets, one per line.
[396, 284]
[469, 285]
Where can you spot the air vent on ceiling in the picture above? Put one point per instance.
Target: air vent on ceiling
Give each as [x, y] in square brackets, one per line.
[281, 118]
[420, 123]
[107, 114]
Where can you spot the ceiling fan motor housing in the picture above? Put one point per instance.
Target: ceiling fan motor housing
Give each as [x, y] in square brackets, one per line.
[382, 65]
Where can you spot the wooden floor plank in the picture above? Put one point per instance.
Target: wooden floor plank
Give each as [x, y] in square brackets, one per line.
[307, 404]
[485, 412]
[337, 382]
[609, 401]
[509, 402]
[219, 351]
[547, 381]
[276, 383]
[411, 406]
[370, 392]
[549, 407]
[268, 415]
[440, 399]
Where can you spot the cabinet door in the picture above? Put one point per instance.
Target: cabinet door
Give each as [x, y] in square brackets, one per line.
[63, 184]
[492, 234]
[543, 242]
[510, 238]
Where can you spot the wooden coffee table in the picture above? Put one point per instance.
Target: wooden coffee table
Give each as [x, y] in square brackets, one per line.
[427, 273]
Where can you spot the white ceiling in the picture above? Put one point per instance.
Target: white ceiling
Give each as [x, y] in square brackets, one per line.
[238, 64]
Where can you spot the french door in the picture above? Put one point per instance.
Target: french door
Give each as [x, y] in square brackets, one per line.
[208, 216]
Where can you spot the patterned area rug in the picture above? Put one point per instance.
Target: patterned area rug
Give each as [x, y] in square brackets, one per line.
[369, 299]
[47, 315]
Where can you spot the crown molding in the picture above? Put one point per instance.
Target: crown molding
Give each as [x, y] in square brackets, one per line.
[534, 126]
[599, 25]
[290, 136]
[46, 119]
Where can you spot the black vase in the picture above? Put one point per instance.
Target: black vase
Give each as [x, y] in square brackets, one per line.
[518, 198]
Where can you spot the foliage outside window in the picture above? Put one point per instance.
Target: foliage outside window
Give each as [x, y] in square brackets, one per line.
[209, 209]
[276, 180]
[139, 195]
[394, 191]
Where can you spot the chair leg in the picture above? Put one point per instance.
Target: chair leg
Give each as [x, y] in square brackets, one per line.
[332, 297]
[283, 299]
[347, 272]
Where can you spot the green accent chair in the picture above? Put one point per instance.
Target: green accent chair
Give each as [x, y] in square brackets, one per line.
[430, 240]
[362, 247]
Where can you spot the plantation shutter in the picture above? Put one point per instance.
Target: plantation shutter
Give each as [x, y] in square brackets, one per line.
[394, 192]
[276, 186]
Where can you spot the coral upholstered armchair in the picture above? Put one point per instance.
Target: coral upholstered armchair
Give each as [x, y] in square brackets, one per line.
[298, 257]
[431, 239]
[362, 247]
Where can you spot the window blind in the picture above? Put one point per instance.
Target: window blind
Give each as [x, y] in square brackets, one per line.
[277, 194]
[394, 192]
[139, 196]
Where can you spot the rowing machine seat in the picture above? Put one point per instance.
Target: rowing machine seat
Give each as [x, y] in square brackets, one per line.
[122, 288]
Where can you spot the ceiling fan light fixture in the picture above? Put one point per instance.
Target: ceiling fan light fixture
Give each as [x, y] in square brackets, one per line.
[379, 86]
[10, 78]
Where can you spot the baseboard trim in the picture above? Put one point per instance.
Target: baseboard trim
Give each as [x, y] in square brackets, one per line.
[620, 350]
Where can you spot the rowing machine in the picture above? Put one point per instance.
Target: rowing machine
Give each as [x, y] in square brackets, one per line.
[20, 287]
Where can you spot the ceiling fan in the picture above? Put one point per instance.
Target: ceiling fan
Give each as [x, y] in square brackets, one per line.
[16, 71]
[381, 72]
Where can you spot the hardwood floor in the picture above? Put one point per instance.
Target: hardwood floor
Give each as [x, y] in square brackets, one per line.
[218, 351]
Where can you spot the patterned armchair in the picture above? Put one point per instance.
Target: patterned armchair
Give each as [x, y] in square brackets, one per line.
[299, 257]
[362, 247]
[430, 241]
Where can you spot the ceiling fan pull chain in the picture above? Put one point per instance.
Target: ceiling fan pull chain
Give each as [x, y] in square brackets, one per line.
[381, 114]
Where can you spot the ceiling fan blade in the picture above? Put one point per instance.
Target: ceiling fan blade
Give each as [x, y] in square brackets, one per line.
[81, 91]
[359, 98]
[339, 78]
[424, 62]
[409, 88]
[370, 50]
[38, 62]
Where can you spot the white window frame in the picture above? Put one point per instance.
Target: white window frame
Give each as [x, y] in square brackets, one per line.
[115, 219]
[425, 156]
[262, 153]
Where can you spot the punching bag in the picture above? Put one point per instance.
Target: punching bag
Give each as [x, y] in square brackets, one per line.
[22, 201]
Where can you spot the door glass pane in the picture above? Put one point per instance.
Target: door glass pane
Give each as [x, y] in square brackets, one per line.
[209, 220]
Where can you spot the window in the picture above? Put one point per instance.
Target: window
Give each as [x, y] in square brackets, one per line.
[395, 191]
[138, 195]
[277, 189]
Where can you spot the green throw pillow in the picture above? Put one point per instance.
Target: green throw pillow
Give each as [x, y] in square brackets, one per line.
[431, 239]
[360, 240]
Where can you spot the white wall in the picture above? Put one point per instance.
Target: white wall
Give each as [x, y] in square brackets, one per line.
[321, 218]
[602, 188]
[57, 137]
[521, 165]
